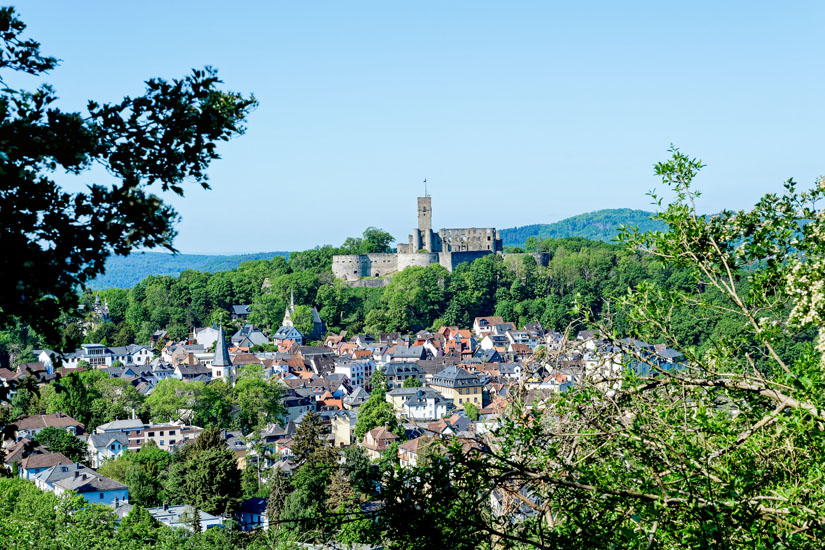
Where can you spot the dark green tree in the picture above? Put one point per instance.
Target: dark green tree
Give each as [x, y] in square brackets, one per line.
[309, 438]
[61, 441]
[376, 411]
[54, 241]
[411, 382]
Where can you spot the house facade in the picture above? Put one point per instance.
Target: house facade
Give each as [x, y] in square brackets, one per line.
[459, 386]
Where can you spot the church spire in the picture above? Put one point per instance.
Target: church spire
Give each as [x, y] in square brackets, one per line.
[221, 353]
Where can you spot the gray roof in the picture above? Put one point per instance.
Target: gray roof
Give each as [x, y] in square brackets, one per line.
[99, 441]
[402, 369]
[421, 398]
[221, 353]
[61, 471]
[89, 482]
[412, 352]
[455, 377]
[358, 394]
[128, 424]
[283, 332]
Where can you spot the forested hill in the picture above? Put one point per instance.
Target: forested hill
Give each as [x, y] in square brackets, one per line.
[602, 225]
[126, 272]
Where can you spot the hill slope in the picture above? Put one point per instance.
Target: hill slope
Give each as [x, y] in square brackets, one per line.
[125, 272]
[602, 225]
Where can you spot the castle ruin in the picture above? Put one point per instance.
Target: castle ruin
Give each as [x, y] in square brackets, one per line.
[447, 247]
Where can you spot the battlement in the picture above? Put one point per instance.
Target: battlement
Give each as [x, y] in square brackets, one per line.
[448, 247]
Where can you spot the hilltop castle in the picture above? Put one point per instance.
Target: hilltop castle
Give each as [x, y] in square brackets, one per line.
[448, 247]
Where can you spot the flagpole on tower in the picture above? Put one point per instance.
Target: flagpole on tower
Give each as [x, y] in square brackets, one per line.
[425, 187]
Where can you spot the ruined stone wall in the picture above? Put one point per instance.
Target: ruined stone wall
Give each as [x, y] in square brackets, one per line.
[351, 267]
[451, 259]
[469, 239]
[370, 283]
[421, 259]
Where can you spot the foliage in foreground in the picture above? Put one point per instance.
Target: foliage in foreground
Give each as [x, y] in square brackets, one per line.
[724, 452]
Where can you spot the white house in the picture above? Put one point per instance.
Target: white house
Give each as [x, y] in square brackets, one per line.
[288, 333]
[105, 446]
[482, 326]
[100, 356]
[359, 372]
[205, 336]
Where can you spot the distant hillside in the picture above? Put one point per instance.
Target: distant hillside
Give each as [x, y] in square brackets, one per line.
[125, 272]
[602, 225]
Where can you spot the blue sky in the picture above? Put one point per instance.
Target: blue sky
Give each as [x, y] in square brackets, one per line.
[515, 112]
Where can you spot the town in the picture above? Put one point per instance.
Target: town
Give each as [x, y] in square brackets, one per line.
[234, 317]
[449, 383]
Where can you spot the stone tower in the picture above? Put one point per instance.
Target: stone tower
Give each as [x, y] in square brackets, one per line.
[425, 222]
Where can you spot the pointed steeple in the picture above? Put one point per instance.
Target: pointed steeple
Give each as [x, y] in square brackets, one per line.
[221, 353]
[290, 309]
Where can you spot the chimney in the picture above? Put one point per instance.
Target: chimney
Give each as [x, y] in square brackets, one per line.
[117, 502]
[76, 473]
[165, 506]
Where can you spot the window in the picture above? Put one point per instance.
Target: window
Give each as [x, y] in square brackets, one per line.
[161, 433]
[151, 434]
[161, 442]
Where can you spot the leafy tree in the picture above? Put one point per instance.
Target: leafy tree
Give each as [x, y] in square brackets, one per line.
[141, 471]
[137, 528]
[411, 382]
[55, 241]
[174, 399]
[258, 400]
[471, 410]
[205, 475]
[214, 405]
[213, 481]
[61, 441]
[361, 475]
[723, 450]
[376, 411]
[279, 489]
[309, 438]
[304, 513]
[302, 319]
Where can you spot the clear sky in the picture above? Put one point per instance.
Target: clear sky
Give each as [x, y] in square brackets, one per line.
[515, 112]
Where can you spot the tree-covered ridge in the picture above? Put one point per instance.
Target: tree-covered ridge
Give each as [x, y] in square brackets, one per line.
[127, 271]
[601, 225]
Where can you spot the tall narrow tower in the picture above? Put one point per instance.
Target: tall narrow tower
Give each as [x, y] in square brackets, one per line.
[425, 222]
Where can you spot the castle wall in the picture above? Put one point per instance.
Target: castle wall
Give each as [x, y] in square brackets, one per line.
[469, 239]
[450, 260]
[351, 267]
[421, 259]
[370, 283]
